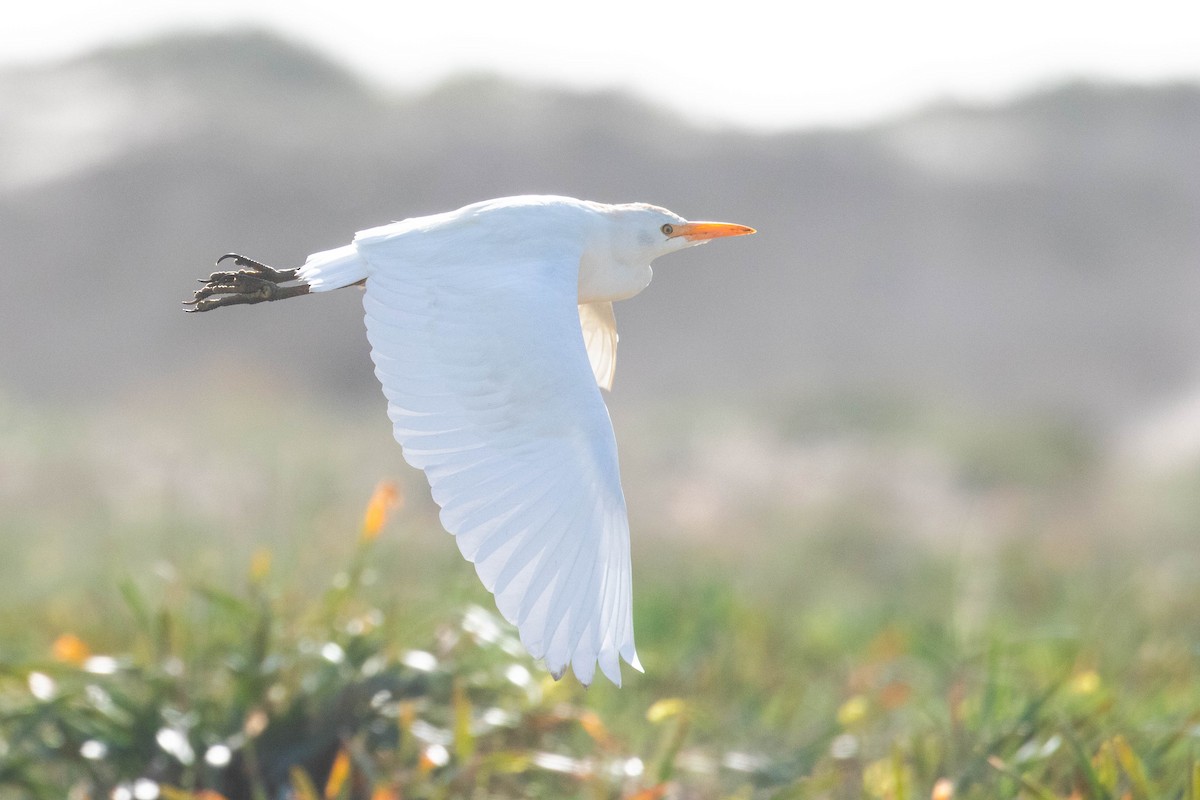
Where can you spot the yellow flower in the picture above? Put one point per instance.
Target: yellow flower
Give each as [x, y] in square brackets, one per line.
[663, 709]
[386, 497]
[1086, 682]
[260, 564]
[852, 711]
[888, 778]
[338, 774]
[70, 649]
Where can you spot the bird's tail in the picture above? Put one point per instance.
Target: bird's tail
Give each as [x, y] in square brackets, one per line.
[333, 269]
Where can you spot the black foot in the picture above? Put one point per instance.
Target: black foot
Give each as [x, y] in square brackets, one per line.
[256, 284]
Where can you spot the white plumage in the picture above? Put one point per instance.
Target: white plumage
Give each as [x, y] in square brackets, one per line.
[491, 330]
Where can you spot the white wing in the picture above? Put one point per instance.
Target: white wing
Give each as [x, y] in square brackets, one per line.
[491, 394]
[599, 326]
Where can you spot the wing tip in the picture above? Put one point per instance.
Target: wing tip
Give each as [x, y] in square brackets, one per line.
[584, 668]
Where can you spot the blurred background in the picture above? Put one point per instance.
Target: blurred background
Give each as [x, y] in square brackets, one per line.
[977, 266]
[967, 326]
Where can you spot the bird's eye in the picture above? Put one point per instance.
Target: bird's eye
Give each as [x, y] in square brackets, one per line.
[668, 229]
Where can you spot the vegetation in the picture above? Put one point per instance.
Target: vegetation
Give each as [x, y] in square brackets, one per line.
[807, 651]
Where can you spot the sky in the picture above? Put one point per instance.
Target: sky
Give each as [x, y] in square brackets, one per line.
[750, 63]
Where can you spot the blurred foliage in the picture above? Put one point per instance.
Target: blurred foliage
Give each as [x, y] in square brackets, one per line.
[236, 695]
[991, 450]
[227, 633]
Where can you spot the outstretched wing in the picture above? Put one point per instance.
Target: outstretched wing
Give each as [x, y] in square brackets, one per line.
[600, 337]
[490, 392]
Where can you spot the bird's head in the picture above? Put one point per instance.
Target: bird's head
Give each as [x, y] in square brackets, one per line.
[642, 232]
[626, 238]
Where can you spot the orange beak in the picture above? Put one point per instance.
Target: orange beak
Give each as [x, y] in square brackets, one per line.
[702, 231]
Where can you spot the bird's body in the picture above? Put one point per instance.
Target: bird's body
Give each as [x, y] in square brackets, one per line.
[497, 230]
[491, 329]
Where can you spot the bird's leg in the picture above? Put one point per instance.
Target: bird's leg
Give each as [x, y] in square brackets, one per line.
[256, 268]
[258, 283]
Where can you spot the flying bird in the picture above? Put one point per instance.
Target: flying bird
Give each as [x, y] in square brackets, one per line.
[492, 331]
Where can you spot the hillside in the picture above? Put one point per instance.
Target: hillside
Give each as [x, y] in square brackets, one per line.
[1037, 257]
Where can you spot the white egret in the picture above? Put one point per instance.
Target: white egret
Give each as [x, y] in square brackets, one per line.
[491, 328]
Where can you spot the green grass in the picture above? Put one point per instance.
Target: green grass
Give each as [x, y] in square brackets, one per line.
[182, 618]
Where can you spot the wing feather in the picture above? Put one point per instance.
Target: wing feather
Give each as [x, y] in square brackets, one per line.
[491, 375]
[599, 325]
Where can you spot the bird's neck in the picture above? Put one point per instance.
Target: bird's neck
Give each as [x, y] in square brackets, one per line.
[603, 278]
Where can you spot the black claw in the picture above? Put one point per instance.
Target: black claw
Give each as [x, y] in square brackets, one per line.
[256, 284]
[255, 269]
